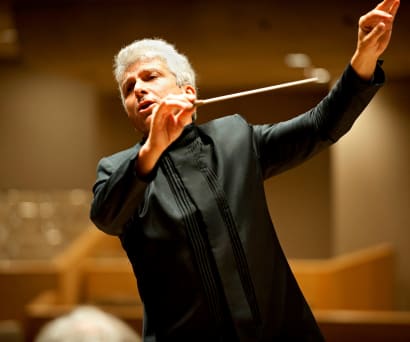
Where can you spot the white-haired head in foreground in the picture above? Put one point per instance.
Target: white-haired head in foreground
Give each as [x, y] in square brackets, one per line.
[87, 324]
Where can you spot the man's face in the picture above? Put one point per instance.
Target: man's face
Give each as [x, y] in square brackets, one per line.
[145, 83]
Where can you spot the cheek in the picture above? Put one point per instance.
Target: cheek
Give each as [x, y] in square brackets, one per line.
[168, 87]
[129, 107]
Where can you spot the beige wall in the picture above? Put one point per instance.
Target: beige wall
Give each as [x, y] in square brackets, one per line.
[48, 131]
[371, 182]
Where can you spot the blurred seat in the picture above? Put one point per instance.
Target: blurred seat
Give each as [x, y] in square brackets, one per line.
[352, 295]
[11, 331]
[360, 280]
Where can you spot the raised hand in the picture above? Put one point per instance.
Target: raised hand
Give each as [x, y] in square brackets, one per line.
[168, 120]
[375, 29]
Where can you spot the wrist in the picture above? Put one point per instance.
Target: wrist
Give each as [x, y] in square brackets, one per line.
[364, 66]
[146, 160]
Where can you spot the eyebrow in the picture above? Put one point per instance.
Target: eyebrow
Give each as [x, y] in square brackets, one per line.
[147, 70]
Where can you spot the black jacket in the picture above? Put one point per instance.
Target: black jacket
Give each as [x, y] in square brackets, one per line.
[198, 232]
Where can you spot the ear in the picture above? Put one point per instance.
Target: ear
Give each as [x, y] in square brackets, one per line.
[188, 89]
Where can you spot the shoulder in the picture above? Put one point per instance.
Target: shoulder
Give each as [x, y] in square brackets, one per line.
[114, 160]
[230, 134]
[224, 125]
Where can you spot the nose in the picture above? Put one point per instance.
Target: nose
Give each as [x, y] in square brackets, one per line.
[140, 88]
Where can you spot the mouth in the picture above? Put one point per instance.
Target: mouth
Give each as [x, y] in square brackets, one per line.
[145, 106]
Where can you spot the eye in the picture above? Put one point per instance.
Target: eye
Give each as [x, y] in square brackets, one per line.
[152, 76]
[129, 87]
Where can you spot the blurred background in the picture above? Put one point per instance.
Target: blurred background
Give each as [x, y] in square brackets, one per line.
[60, 112]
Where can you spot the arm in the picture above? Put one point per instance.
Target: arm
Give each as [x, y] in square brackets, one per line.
[287, 144]
[123, 178]
[118, 192]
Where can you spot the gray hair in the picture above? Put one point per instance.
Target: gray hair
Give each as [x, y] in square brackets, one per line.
[177, 63]
[87, 323]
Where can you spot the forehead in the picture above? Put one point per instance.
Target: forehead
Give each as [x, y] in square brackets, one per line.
[143, 64]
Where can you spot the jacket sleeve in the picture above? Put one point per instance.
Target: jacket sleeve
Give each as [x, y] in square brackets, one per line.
[284, 145]
[118, 192]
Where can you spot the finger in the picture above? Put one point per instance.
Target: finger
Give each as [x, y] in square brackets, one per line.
[377, 15]
[190, 97]
[186, 112]
[167, 110]
[183, 118]
[179, 98]
[176, 105]
[377, 32]
[371, 20]
[389, 6]
[385, 5]
[394, 8]
[178, 121]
